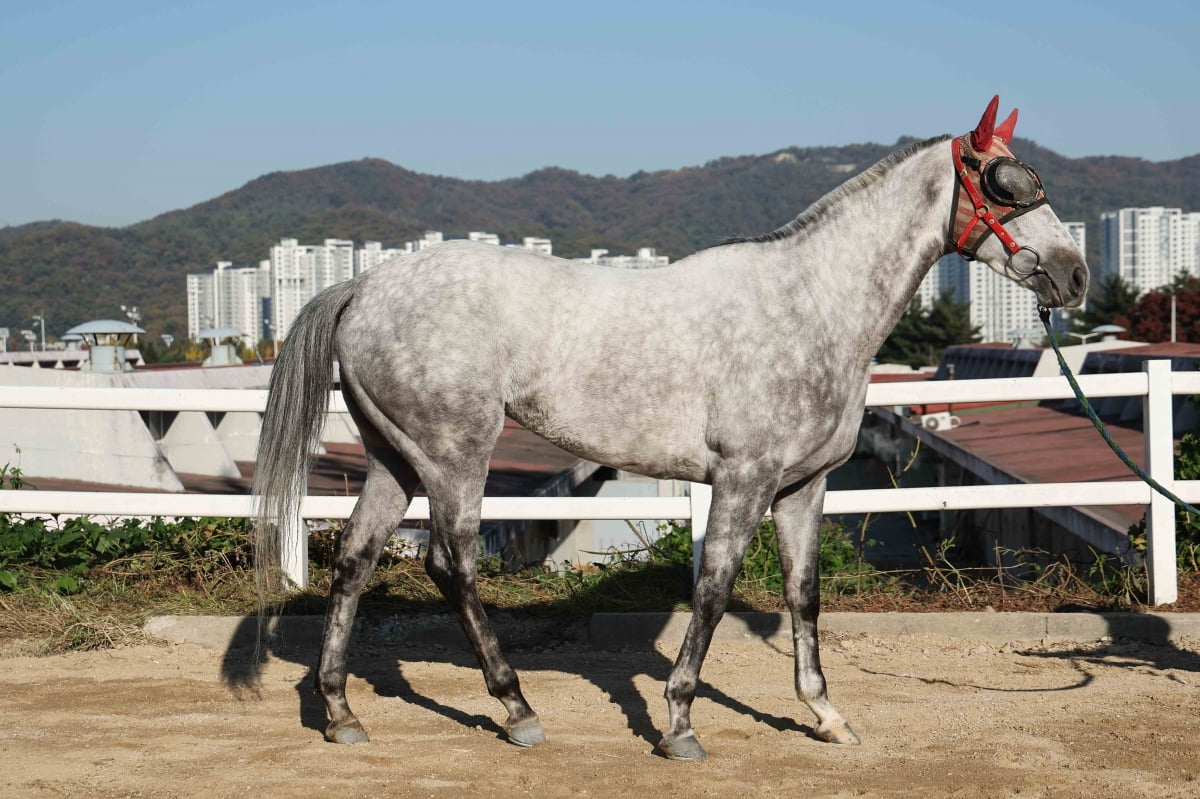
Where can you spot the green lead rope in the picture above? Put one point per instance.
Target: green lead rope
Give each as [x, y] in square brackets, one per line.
[1044, 313]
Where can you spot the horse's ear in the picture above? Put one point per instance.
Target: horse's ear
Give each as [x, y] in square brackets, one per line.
[981, 137]
[1004, 131]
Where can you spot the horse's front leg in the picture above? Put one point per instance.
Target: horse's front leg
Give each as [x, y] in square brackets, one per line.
[797, 514]
[740, 498]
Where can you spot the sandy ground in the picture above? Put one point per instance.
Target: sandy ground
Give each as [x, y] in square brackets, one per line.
[938, 717]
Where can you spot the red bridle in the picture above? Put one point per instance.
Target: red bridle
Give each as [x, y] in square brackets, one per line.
[970, 208]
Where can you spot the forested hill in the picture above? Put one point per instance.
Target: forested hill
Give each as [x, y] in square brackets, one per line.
[76, 272]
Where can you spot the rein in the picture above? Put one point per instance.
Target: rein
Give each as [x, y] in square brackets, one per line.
[1044, 313]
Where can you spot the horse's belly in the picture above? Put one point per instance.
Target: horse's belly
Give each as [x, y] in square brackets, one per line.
[661, 448]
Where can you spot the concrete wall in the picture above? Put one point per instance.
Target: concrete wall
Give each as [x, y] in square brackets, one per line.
[111, 447]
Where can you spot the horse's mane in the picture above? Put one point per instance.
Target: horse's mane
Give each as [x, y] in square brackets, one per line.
[815, 212]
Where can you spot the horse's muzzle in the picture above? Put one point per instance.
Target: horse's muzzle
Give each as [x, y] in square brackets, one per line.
[1059, 287]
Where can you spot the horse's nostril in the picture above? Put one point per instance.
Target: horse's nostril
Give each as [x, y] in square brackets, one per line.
[1078, 280]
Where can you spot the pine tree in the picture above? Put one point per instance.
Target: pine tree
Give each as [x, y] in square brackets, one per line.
[921, 336]
[1109, 303]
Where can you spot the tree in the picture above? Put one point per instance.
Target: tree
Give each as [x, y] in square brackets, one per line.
[1183, 281]
[921, 336]
[1108, 303]
[1150, 318]
[950, 321]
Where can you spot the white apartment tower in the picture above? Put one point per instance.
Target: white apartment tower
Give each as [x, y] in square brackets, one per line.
[535, 244]
[301, 271]
[1078, 231]
[646, 258]
[229, 296]
[486, 238]
[201, 303]
[1148, 247]
[373, 254]
[263, 301]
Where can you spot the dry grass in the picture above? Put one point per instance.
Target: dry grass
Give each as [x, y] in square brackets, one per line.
[115, 600]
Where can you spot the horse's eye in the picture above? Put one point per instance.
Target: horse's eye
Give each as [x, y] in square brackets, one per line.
[1009, 182]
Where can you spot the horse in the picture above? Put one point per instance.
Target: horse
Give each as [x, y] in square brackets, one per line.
[743, 366]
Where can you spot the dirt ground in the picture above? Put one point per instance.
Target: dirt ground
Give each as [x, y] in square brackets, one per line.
[938, 718]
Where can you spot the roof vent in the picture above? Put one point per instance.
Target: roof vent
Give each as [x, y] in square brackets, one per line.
[221, 354]
[107, 339]
[1023, 338]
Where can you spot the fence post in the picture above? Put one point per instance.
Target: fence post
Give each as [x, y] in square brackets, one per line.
[1159, 443]
[700, 496]
[293, 552]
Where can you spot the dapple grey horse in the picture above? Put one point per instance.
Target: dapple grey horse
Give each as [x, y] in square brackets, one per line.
[744, 366]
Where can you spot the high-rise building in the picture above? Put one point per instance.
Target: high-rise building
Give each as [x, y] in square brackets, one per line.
[1149, 247]
[301, 271]
[291, 283]
[201, 303]
[430, 238]
[263, 301]
[229, 296]
[535, 244]
[373, 254]
[1078, 232]
[486, 238]
[646, 258]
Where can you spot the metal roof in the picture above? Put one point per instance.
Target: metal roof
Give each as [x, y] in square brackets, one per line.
[220, 333]
[104, 327]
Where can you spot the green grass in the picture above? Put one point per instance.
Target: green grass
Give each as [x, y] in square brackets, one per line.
[79, 584]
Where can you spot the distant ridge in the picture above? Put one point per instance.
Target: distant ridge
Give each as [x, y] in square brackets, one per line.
[77, 272]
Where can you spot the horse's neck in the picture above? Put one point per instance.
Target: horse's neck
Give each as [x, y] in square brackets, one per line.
[869, 255]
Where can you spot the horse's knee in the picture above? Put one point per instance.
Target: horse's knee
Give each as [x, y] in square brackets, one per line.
[437, 566]
[680, 688]
[328, 683]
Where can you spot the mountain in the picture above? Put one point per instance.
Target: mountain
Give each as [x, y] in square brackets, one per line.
[76, 272]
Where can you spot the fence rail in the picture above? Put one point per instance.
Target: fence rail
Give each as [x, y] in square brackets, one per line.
[1156, 384]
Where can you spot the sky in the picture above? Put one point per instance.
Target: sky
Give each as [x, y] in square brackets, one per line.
[115, 112]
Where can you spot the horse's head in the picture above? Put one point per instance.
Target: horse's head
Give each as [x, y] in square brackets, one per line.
[1001, 217]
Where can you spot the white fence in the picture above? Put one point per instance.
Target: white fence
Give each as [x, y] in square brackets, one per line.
[1155, 384]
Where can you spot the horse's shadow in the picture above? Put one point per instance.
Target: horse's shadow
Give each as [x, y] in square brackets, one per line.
[1138, 640]
[1141, 640]
[382, 666]
[1133, 640]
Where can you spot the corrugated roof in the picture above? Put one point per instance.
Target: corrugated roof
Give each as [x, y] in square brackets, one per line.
[1045, 444]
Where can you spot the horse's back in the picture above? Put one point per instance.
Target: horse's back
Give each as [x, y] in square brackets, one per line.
[576, 352]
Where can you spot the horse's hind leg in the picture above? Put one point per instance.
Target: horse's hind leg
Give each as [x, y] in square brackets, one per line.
[797, 517]
[385, 495]
[451, 563]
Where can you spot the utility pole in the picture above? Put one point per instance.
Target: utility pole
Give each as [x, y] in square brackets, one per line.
[41, 320]
[134, 318]
[1173, 297]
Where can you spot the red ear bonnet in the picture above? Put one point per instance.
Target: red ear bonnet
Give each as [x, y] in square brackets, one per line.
[1004, 131]
[981, 137]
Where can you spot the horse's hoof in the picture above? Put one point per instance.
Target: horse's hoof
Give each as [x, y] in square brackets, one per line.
[348, 733]
[837, 734]
[526, 733]
[685, 747]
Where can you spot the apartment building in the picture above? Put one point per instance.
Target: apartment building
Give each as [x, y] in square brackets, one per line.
[263, 301]
[230, 296]
[1148, 247]
[646, 258]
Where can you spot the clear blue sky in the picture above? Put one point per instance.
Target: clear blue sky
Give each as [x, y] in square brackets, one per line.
[113, 112]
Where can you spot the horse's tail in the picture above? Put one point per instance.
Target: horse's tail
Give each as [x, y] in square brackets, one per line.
[291, 428]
